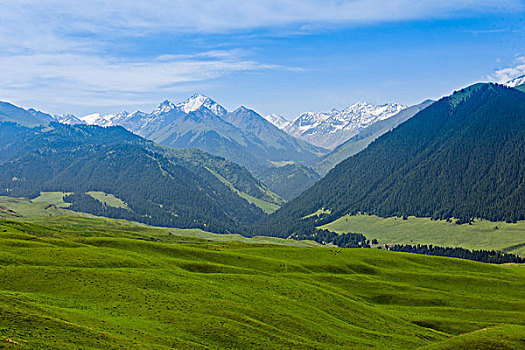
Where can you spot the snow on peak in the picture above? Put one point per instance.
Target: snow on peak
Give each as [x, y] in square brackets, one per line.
[164, 107]
[104, 120]
[329, 129]
[91, 118]
[68, 119]
[196, 101]
[516, 81]
[277, 120]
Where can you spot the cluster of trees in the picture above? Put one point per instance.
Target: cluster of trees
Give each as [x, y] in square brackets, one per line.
[344, 240]
[486, 256]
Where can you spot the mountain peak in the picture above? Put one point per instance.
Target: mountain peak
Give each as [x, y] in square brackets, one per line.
[198, 100]
[68, 119]
[164, 107]
[244, 109]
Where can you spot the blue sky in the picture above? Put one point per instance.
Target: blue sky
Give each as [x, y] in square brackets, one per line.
[282, 57]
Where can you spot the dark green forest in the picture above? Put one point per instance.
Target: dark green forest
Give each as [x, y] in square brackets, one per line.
[290, 180]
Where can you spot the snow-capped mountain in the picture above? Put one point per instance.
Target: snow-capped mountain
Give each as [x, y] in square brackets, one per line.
[277, 120]
[198, 100]
[330, 129]
[104, 120]
[242, 136]
[516, 81]
[68, 119]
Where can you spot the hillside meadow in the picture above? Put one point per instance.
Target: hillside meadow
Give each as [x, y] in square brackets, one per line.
[101, 284]
[480, 234]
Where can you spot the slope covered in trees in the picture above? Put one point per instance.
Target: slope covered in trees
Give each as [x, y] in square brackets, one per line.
[160, 186]
[461, 157]
[289, 180]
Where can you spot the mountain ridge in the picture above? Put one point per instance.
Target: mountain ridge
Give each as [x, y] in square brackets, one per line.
[330, 129]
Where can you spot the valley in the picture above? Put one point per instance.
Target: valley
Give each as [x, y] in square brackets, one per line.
[111, 240]
[231, 174]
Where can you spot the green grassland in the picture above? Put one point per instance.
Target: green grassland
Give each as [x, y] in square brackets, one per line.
[108, 199]
[50, 204]
[79, 283]
[482, 234]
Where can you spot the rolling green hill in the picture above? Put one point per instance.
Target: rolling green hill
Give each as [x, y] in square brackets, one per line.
[79, 285]
[461, 157]
[157, 185]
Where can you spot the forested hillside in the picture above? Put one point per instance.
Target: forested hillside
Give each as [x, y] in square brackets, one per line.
[289, 180]
[462, 157]
[158, 185]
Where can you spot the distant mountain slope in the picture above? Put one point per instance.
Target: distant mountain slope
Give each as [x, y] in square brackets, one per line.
[289, 180]
[330, 129]
[231, 173]
[12, 113]
[360, 141]
[277, 120]
[242, 136]
[279, 145]
[460, 157]
[160, 186]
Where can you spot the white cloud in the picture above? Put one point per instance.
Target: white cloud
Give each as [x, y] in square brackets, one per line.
[220, 15]
[66, 77]
[506, 74]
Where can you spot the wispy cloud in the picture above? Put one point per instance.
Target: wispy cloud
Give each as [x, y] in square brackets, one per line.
[141, 16]
[60, 77]
[504, 75]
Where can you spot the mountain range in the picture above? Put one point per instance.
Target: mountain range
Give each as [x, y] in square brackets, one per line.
[365, 136]
[461, 157]
[242, 136]
[330, 129]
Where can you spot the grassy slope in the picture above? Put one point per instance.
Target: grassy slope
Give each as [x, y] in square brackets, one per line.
[267, 207]
[480, 235]
[108, 199]
[101, 287]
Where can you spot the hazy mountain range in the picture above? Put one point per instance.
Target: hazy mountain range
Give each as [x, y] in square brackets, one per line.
[242, 136]
[330, 129]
